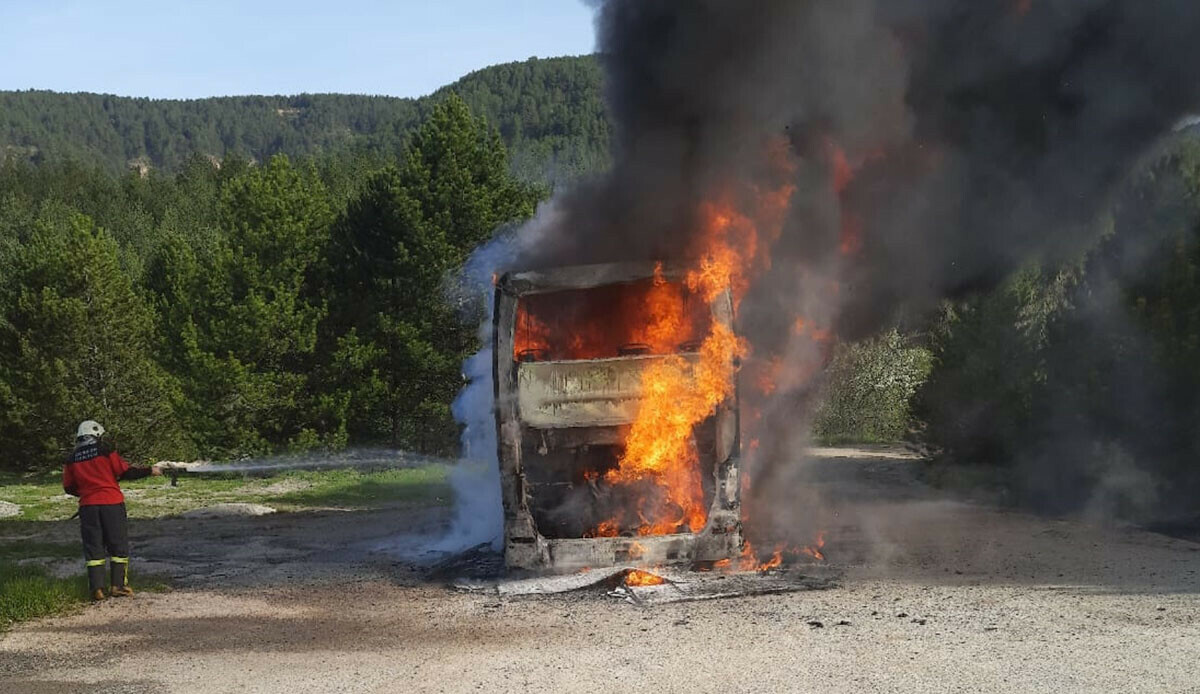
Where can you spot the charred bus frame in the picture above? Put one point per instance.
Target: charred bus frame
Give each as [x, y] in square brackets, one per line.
[569, 405]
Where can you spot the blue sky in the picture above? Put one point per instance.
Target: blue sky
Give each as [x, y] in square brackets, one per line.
[176, 49]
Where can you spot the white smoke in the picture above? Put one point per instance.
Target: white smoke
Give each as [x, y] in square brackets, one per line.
[478, 510]
[478, 513]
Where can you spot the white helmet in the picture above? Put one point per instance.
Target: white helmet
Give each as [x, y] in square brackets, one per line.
[89, 428]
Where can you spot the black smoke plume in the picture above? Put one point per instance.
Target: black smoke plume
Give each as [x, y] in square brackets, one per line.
[982, 133]
[934, 146]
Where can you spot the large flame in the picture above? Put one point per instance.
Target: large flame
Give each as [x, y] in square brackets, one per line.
[676, 397]
[735, 244]
[663, 328]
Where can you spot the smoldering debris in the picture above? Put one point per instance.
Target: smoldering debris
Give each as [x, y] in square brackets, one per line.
[657, 586]
[469, 567]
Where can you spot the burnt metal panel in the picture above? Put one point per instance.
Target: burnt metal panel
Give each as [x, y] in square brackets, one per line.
[584, 277]
[598, 392]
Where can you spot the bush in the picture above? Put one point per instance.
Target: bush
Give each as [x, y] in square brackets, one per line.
[869, 389]
[989, 367]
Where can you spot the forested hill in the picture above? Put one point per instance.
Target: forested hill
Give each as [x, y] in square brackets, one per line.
[549, 112]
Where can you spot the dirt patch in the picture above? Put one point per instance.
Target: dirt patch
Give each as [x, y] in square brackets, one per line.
[865, 452]
[58, 568]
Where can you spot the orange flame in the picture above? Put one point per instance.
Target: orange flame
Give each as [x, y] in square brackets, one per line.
[663, 327]
[747, 560]
[815, 552]
[842, 171]
[750, 561]
[532, 335]
[766, 375]
[676, 397]
[637, 577]
[658, 314]
[734, 244]
[608, 528]
[802, 327]
[678, 393]
[775, 560]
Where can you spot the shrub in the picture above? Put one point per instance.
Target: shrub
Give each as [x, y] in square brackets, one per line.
[869, 389]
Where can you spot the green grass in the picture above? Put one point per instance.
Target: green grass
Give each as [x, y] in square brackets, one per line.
[354, 489]
[41, 497]
[35, 493]
[28, 592]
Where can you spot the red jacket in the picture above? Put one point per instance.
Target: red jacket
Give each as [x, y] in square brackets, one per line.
[93, 471]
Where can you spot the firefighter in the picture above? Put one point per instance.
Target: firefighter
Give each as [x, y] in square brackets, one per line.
[93, 473]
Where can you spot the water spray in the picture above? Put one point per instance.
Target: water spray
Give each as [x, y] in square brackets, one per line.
[354, 459]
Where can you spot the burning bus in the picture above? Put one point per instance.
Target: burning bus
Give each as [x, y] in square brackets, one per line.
[617, 417]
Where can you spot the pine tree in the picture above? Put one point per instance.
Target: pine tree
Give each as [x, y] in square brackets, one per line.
[239, 317]
[396, 343]
[75, 344]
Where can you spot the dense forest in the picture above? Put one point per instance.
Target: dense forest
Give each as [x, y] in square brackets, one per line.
[239, 309]
[549, 113]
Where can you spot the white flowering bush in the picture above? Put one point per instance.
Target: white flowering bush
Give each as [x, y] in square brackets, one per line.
[869, 389]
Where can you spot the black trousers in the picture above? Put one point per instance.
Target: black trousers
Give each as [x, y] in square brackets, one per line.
[105, 536]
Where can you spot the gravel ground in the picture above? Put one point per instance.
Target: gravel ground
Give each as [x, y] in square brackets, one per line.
[935, 595]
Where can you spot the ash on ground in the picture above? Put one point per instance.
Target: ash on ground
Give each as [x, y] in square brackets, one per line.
[481, 570]
[477, 564]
